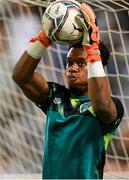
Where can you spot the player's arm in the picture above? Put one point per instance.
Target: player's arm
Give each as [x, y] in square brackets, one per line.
[98, 84]
[33, 85]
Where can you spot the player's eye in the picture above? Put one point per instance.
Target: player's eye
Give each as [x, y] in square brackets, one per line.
[69, 64]
[81, 64]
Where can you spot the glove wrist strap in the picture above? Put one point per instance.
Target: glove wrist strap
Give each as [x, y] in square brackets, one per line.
[95, 69]
[35, 49]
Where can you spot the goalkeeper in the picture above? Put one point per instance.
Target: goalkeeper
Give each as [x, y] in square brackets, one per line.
[81, 119]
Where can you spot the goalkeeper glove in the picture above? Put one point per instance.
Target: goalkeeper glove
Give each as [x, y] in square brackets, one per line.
[91, 39]
[38, 44]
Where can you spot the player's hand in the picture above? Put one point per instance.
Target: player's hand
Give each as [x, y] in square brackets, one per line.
[37, 45]
[85, 26]
[90, 18]
[89, 25]
[42, 38]
[91, 30]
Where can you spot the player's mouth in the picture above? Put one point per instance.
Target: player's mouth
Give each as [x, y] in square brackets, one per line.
[72, 77]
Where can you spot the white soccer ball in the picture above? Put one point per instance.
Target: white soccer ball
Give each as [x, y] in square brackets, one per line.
[59, 22]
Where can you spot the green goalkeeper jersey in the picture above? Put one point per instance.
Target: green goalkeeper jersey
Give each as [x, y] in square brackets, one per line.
[75, 138]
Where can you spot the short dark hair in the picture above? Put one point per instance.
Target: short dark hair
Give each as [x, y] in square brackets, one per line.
[104, 51]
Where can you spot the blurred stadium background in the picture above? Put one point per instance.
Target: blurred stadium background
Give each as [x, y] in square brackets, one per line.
[21, 122]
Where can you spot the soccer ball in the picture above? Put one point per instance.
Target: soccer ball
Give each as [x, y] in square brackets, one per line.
[59, 22]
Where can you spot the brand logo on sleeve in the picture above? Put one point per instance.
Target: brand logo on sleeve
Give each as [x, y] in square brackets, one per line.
[57, 100]
[84, 106]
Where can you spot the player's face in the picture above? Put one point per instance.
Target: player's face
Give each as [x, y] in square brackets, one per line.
[76, 69]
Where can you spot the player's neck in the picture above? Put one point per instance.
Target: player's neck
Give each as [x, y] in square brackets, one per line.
[79, 91]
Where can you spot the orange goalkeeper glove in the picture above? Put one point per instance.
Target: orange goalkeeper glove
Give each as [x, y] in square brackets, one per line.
[91, 43]
[42, 38]
[38, 44]
[94, 63]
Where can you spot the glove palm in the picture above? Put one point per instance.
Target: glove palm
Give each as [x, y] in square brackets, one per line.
[91, 35]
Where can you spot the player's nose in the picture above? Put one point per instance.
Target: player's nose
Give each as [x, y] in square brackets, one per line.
[74, 67]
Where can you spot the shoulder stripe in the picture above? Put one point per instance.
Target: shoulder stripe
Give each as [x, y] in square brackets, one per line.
[107, 139]
[91, 111]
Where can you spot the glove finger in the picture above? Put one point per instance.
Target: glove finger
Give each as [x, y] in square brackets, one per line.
[33, 39]
[85, 8]
[87, 11]
[86, 38]
[81, 22]
[95, 35]
[86, 18]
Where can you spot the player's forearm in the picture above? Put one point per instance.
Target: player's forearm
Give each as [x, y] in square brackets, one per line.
[100, 94]
[24, 69]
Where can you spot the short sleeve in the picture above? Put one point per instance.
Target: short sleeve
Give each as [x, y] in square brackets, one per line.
[108, 128]
[53, 88]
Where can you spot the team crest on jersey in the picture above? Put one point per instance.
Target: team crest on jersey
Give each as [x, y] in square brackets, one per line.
[57, 100]
[84, 107]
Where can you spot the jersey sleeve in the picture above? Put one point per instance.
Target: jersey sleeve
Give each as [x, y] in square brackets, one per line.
[110, 128]
[53, 88]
